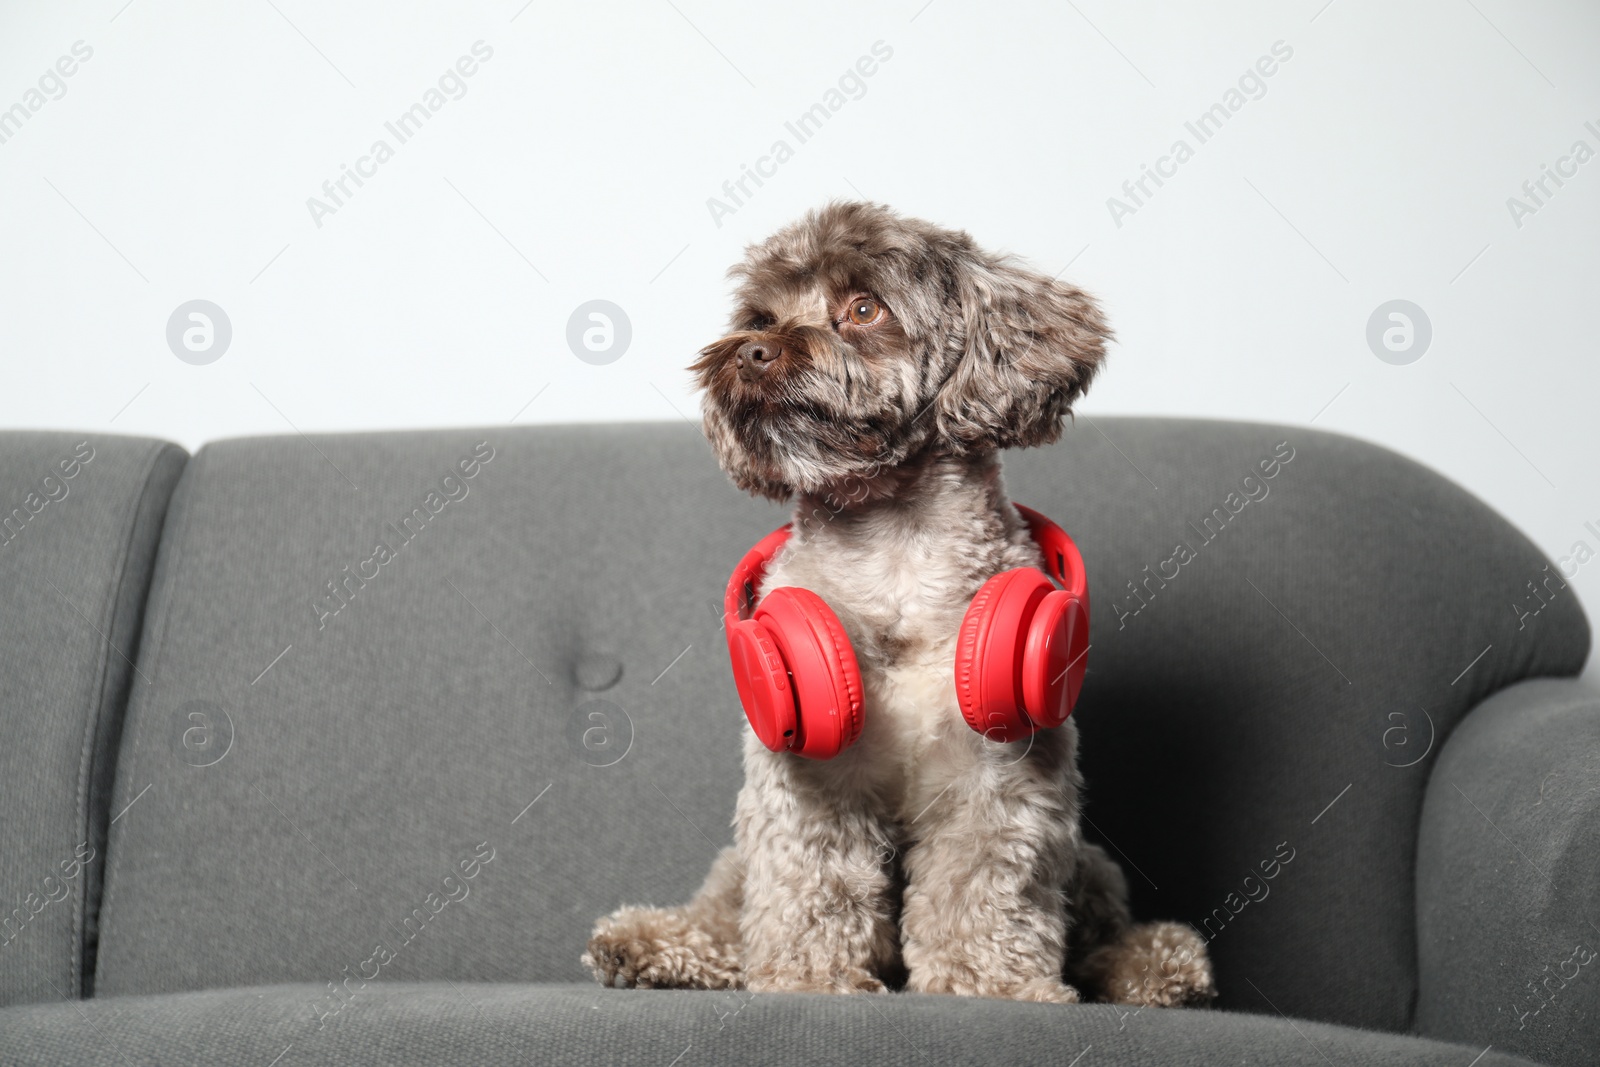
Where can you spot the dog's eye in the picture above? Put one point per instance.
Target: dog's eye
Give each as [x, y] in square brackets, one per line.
[758, 322]
[864, 312]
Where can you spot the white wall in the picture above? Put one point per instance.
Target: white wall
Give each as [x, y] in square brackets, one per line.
[1376, 164]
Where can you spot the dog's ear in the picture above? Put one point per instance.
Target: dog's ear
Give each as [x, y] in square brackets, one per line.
[1029, 346]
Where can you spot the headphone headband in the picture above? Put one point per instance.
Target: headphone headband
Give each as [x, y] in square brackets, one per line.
[740, 599]
[1062, 561]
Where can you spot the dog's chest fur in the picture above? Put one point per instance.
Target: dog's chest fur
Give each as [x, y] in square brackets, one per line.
[900, 573]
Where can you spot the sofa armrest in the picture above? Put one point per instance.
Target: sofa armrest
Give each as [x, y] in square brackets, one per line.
[80, 518]
[1508, 876]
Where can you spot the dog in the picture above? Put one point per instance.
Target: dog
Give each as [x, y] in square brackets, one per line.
[875, 368]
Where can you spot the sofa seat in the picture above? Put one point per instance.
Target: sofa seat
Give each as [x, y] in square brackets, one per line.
[492, 1024]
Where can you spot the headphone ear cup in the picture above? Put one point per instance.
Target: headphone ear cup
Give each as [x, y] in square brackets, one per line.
[990, 650]
[1052, 661]
[764, 687]
[826, 679]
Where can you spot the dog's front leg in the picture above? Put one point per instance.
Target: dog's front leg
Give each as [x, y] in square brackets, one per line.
[818, 915]
[985, 915]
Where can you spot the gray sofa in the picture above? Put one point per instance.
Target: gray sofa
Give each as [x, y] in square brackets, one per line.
[330, 749]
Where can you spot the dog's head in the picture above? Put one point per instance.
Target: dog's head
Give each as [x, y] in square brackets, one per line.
[862, 340]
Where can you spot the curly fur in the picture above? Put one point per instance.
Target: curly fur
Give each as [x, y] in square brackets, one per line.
[925, 855]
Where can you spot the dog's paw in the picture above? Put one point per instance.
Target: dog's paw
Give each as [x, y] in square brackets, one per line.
[656, 948]
[1044, 991]
[1161, 965]
[847, 980]
[1037, 990]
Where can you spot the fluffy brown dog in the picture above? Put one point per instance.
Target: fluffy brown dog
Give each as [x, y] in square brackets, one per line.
[876, 367]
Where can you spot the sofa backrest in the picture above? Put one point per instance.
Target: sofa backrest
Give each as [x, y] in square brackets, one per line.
[1287, 625]
[378, 659]
[80, 517]
[423, 705]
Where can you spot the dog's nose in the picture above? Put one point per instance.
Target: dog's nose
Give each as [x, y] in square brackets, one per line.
[754, 357]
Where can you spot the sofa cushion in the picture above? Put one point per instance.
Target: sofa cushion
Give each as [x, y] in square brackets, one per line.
[290, 1026]
[531, 673]
[80, 515]
[396, 674]
[1287, 625]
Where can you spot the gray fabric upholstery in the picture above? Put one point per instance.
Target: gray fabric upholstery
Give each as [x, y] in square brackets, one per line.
[80, 515]
[1321, 638]
[1508, 877]
[421, 720]
[518, 1025]
[1313, 644]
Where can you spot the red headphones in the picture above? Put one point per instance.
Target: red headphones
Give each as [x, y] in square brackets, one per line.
[1019, 656]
